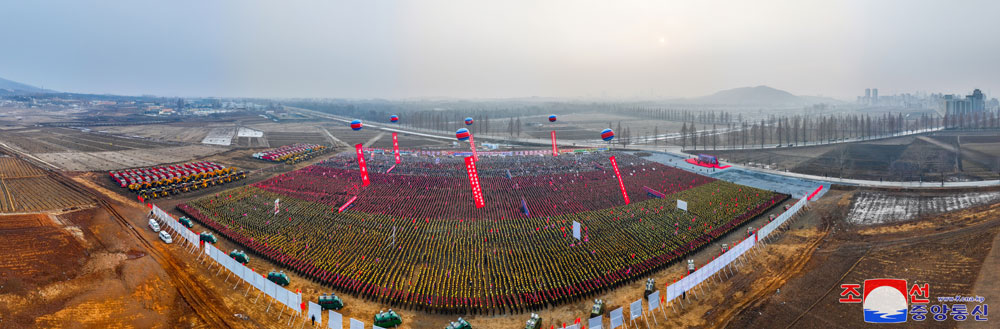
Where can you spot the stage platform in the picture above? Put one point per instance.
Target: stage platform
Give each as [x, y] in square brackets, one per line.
[695, 162]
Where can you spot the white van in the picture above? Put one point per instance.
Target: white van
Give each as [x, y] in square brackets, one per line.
[166, 237]
[154, 225]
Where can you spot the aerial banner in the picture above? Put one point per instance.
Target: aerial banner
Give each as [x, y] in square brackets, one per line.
[576, 230]
[395, 148]
[614, 164]
[555, 150]
[477, 193]
[472, 143]
[682, 205]
[361, 165]
[347, 204]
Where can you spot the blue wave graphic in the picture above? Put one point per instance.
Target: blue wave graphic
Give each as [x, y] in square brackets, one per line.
[875, 316]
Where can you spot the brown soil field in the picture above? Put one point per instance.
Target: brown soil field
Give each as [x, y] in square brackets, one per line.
[80, 270]
[276, 139]
[946, 251]
[26, 188]
[47, 140]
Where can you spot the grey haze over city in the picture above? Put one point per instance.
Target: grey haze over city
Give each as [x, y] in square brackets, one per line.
[500, 49]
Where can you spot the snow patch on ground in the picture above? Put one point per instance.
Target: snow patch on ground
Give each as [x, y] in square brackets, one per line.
[219, 136]
[247, 132]
[877, 208]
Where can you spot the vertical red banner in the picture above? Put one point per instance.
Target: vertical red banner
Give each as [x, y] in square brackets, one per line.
[477, 193]
[361, 165]
[555, 151]
[472, 143]
[614, 164]
[395, 148]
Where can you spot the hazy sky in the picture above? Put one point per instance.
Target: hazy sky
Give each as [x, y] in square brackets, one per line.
[403, 49]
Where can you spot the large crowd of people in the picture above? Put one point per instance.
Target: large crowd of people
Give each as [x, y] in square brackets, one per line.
[413, 238]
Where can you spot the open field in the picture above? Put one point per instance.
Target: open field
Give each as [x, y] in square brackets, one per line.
[26, 188]
[946, 251]
[891, 159]
[78, 269]
[276, 139]
[48, 140]
[869, 208]
[184, 133]
[102, 161]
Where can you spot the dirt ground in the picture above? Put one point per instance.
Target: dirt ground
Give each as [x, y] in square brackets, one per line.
[80, 270]
[946, 251]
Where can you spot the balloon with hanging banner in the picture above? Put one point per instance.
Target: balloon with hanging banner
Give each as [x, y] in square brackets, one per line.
[462, 134]
[607, 135]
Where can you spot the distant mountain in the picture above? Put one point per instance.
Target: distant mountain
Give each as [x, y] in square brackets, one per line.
[760, 95]
[12, 88]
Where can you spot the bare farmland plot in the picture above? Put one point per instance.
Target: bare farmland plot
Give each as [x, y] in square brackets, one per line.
[878, 208]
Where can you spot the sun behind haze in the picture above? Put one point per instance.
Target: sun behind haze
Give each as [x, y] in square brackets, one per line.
[473, 49]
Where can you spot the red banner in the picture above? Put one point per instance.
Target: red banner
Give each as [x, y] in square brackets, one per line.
[361, 165]
[348, 204]
[472, 143]
[555, 151]
[395, 147]
[820, 188]
[614, 164]
[477, 193]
